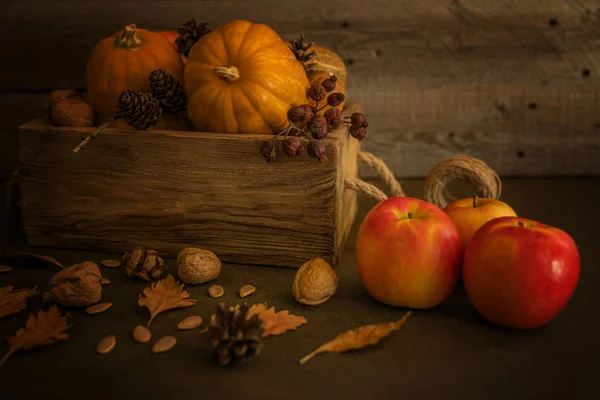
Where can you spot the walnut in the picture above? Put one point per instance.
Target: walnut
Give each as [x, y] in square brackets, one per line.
[143, 264]
[68, 108]
[76, 286]
[195, 266]
[315, 282]
[72, 113]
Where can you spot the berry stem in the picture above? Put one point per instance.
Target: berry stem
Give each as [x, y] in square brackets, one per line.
[86, 139]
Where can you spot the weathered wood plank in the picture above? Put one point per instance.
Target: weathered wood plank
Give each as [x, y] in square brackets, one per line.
[169, 190]
[424, 43]
[15, 109]
[560, 137]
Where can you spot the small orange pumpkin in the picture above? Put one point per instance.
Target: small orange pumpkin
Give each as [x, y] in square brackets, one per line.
[124, 61]
[242, 77]
[316, 76]
[327, 60]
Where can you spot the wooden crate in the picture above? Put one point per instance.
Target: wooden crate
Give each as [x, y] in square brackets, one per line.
[167, 190]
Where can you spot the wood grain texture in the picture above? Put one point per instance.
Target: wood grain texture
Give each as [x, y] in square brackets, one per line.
[15, 109]
[168, 190]
[436, 77]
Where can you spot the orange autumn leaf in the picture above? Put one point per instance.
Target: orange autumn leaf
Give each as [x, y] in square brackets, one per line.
[13, 301]
[166, 294]
[358, 338]
[275, 323]
[47, 328]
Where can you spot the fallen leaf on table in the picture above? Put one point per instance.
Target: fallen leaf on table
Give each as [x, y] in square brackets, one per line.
[4, 268]
[28, 257]
[13, 301]
[358, 338]
[275, 323]
[48, 328]
[164, 295]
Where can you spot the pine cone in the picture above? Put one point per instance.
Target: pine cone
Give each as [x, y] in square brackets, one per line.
[140, 110]
[189, 33]
[301, 48]
[233, 337]
[168, 91]
[143, 264]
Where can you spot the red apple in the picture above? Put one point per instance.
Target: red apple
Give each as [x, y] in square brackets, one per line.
[172, 36]
[471, 213]
[408, 253]
[519, 273]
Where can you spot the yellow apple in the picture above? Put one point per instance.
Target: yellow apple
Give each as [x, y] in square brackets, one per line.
[471, 213]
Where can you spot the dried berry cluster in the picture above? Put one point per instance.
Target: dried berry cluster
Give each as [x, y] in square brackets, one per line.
[305, 120]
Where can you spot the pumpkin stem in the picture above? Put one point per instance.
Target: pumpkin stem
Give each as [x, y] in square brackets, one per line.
[230, 74]
[129, 38]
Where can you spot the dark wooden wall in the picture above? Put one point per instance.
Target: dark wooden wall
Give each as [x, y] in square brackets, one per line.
[514, 82]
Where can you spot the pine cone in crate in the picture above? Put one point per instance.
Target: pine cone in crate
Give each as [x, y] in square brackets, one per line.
[140, 110]
[233, 337]
[143, 264]
[168, 91]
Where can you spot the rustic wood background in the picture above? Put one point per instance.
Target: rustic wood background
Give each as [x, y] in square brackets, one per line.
[514, 82]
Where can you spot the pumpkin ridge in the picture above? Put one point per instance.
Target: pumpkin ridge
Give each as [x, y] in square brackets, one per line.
[266, 89]
[251, 102]
[239, 59]
[262, 48]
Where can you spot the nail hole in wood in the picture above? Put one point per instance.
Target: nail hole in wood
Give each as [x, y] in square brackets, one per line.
[532, 106]
[377, 52]
[345, 24]
[520, 154]
[585, 73]
[350, 61]
[450, 135]
[553, 22]
[544, 82]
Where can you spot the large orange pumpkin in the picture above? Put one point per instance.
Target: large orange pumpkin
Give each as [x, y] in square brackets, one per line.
[124, 61]
[242, 77]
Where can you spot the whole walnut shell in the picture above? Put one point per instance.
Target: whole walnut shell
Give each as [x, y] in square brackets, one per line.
[143, 264]
[60, 95]
[195, 266]
[72, 113]
[315, 282]
[79, 285]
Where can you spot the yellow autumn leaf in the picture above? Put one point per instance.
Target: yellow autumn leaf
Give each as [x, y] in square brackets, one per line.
[275, 323]
[166, 294]
[13, 301]
[358, 338]
[47, 328]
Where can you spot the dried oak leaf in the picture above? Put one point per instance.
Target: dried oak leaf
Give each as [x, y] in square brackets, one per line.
[18, 258]
[13, 301]
[358, 338]
[164, 295]
[275, 323]
[48, 328]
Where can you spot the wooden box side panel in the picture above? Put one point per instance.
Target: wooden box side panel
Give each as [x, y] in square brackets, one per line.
[169, 190]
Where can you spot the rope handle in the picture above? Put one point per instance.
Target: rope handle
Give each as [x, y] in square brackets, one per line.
[459, 166]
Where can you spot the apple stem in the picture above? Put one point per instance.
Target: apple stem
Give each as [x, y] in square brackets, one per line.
[410, 214]
[521, 224]
[475, 201]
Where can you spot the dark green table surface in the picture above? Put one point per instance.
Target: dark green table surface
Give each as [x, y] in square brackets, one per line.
[444, 353]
